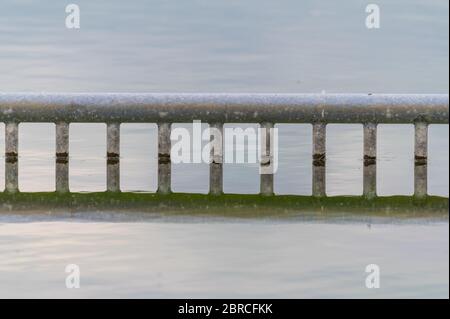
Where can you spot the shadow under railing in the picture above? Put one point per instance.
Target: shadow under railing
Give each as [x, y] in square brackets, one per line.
[226, 206]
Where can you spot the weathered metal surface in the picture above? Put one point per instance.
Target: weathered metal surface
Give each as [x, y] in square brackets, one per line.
[370, 142]
[217, 109]
[369, 179]
[11, 139]
[319, 159]
[370, 160]
[216, 158]
[11, 157]
[164, 161]
[319, 143]
[421, 141]
[319, 184]
[62, 140]
[62, 157]
[225, 108]
[113, 157]
[420, 179]
[267, 158]
[62, 176]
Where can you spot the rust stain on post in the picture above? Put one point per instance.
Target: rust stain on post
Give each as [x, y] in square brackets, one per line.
[113, 157]
[421, 159]
[370, 160]
[62, 157]
[421, 141]
[319, 159]
[319, 143]
[11, 157]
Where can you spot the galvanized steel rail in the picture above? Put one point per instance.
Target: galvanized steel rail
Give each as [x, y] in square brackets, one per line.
[218, 109]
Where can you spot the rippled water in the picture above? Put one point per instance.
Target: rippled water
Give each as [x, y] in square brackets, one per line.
[225, 46]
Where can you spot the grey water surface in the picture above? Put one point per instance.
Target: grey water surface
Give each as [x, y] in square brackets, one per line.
[283, 46]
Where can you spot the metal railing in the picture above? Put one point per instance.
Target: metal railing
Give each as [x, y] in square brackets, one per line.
[218, 109]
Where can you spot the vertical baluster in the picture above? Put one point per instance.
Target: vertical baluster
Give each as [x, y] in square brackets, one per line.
[421, 159]
[319, 159]
[164, 161]
[216, 165]
[113, 157]
[62, 157]
[11, 157]
[267, 157]
[420, 179]
[370, 160]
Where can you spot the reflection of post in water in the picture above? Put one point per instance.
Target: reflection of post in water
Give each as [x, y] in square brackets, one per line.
[164, 161]
[421, 159]
[113, 157]
[319, 160]
[11, 157]
[370, 160]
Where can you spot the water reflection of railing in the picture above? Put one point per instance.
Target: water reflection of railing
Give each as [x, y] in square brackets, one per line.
[228, 205]
[218, 109]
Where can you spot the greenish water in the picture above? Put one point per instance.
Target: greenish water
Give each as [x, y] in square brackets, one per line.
[190, 246]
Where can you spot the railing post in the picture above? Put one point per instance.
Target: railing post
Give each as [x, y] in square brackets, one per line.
[113, 157]
[267, 158]
[62, 157]
[319, 159]
[370, 160]
[164, 161]
[11, 157]
[216, 164]
[421, 159]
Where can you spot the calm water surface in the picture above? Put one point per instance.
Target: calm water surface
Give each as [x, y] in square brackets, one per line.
[225, 46]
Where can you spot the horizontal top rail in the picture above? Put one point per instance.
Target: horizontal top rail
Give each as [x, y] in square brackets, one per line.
[224, 108]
